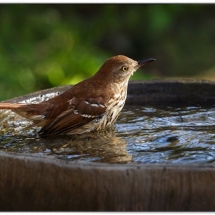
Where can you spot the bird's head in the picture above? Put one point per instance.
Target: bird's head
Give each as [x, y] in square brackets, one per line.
[119, 68]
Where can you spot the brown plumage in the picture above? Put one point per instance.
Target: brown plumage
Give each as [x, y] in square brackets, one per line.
[92, 104]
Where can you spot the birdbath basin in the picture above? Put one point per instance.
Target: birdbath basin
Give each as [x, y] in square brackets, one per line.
[161, 157]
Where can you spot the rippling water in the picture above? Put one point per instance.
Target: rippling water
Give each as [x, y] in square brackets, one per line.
[142, 135]
[176, 135]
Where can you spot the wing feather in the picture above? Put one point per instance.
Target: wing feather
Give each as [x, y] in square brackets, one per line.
[78, 113]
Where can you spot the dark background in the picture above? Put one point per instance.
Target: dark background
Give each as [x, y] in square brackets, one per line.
[46, 45]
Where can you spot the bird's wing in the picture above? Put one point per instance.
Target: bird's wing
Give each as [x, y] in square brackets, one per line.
[77, 113]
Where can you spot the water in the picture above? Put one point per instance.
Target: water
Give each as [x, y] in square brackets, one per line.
[141, 135]
[169, 134]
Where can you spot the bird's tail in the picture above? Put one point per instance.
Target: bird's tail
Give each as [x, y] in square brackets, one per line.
[10, 106]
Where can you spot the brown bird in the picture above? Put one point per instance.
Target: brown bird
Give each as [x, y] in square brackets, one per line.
[91, 105]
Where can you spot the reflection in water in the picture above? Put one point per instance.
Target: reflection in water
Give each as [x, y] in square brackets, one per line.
[97, 147]
[18, 136]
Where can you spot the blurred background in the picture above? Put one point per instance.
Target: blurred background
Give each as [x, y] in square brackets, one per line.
[46, 45]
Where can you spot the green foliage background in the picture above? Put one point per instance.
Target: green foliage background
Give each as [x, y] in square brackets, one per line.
[46, 45]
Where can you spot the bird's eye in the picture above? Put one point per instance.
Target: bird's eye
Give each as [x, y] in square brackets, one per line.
[124, 69]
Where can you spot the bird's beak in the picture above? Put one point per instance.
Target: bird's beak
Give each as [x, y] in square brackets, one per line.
[145, 61]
